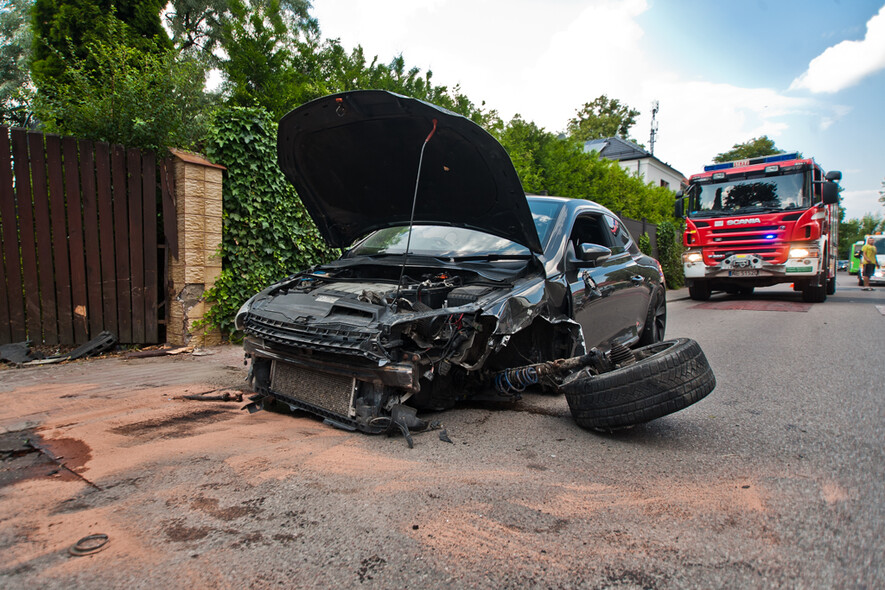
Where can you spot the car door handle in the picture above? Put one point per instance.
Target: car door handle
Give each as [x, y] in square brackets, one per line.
[590, 288]
[637, 278]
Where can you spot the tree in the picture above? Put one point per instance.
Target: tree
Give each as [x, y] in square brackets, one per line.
[120, 94]
[882, 194]
[16, 89]
[759, 146]
[195, 25]
[258, 39]
[601, 118]
[64, 28]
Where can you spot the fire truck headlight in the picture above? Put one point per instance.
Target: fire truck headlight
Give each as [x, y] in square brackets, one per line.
[799, 252]
[692, 257]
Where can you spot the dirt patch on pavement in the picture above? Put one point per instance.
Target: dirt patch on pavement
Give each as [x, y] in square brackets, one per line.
[176, 426]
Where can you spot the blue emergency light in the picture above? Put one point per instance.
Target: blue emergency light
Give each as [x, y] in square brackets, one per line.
[752, 161]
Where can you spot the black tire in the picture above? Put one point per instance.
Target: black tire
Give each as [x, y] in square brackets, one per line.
[666, 378]
[813, 293]
[831, 286]
[699, 290]
[655, 319]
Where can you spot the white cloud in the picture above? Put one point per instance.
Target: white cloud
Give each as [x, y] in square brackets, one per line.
[839, 111]
[858, 203]
[848, 62]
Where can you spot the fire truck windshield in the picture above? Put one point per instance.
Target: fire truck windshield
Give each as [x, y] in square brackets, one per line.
[739, 196]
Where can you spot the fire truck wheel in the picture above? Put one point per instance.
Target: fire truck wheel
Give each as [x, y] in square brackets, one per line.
[666, 377]
[831, 286]
[699, 290]
[814, 293]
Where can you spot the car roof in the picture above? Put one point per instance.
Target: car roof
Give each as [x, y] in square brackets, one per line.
[572, 203]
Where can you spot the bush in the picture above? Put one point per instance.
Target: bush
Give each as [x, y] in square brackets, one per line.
[268, 234]
[670, 253]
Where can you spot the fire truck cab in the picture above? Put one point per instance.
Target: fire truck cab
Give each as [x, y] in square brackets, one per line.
[759, 222]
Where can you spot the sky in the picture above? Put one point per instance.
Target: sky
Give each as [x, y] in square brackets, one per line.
[809, 74]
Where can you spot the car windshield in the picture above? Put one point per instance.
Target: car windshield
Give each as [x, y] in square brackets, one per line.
[437, 240]
[543, 214]
[748, 195]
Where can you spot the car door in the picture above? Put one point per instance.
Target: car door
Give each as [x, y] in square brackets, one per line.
[635, 281]
[596, 287]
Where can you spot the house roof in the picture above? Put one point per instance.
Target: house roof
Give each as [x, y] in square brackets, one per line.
[615, 148]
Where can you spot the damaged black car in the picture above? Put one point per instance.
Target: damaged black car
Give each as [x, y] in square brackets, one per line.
[454, 285]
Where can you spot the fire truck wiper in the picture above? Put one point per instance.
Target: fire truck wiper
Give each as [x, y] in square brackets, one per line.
[757, 209]
[708, 213]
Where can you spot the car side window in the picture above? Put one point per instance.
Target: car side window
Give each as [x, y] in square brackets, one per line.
[589, 229]
[621, 239]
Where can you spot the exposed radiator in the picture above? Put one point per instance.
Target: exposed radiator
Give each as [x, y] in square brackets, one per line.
[333, 393]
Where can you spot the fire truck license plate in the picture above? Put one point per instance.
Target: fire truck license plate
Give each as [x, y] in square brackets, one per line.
[744, 273]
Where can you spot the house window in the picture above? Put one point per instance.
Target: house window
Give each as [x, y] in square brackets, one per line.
[665, 184]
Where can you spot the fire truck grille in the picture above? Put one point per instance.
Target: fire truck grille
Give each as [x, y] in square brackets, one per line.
[764, 251]
[739, 231]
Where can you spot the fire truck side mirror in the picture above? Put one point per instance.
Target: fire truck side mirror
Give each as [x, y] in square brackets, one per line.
[834, 176]
[679, 208]
[830, 193]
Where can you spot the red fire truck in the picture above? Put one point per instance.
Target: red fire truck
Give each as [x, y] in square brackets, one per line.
[759, 222]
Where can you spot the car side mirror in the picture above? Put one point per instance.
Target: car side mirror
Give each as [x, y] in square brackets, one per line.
[834, 176]
[830, 193]
[594, 253]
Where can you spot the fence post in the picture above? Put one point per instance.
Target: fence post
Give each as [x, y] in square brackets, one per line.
[197, 264]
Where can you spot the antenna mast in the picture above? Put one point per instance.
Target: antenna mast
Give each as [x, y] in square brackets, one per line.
[655, 107]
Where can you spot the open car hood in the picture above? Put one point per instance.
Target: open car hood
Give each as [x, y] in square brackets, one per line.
[353, 158]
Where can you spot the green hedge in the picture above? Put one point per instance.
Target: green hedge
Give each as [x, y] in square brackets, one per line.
[670, 253]
[268, 234]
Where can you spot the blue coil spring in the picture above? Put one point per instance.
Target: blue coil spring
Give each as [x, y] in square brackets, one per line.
[516, 380]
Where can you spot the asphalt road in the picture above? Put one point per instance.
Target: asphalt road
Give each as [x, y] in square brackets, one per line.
[774, 480]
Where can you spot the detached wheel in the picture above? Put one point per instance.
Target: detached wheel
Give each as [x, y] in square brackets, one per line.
[667, 377]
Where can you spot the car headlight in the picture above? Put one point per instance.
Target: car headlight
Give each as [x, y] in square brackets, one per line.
[241, 314]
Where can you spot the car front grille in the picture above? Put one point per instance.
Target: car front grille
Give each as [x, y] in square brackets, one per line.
[325, 339]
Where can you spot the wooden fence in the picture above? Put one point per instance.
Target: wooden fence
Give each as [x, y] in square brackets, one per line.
[81, 243]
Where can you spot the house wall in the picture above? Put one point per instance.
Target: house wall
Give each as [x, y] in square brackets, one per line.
[652, 171]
